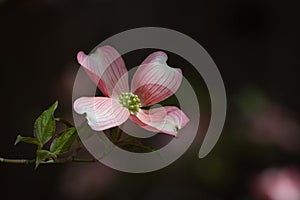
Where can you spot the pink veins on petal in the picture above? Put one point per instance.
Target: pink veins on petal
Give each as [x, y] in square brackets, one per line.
[153, 82]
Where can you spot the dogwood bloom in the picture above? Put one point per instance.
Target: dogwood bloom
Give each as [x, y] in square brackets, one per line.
[153, 82]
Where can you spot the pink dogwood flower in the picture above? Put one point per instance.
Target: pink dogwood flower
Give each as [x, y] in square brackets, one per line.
[153, 82]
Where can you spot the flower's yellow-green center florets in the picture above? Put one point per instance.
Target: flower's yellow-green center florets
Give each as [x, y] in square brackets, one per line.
[130, 101]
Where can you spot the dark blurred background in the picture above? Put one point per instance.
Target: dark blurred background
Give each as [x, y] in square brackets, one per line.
[255, 44]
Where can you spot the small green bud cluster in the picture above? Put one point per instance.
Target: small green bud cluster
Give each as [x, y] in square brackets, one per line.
[130, 101]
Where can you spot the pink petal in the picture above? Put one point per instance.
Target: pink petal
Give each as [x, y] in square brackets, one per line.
[167, 119]
[107, 69]
[101, 112]
[154, 80]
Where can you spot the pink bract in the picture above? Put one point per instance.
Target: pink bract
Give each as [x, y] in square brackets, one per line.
[153, 82]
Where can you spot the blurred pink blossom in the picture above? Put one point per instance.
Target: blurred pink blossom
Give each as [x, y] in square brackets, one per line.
[275, 125]
[278, 184]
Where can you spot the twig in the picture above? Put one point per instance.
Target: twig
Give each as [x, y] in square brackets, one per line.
[31, 161]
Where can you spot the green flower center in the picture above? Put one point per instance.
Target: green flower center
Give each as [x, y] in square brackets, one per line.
[130, 101]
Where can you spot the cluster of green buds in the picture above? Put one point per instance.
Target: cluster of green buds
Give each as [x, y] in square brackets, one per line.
[130, 101]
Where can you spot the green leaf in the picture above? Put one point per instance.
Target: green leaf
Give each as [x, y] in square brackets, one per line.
[64, 141]
[44, 126]
[42, 155]
[29, 140]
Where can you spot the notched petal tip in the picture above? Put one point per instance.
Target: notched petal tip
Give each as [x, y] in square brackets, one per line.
[78, 105]
[81, 56]
[158, 56]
